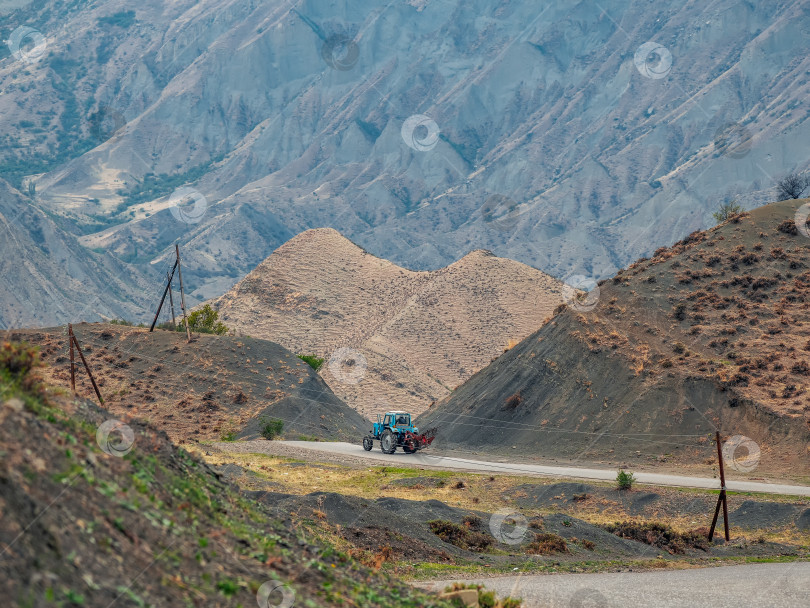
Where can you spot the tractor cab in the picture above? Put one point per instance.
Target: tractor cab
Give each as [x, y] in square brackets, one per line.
[394, 429]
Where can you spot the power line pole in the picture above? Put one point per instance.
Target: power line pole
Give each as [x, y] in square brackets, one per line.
[722, 497]
[171, 300]
[182, 294]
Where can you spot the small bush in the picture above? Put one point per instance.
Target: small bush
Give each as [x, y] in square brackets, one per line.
[660, 535]
[461, 535]
[272, 428]
[727, 211]
[546, 544]
[313, 361]
[513, 401]
[19, 364]
[625, 480]
[205, 321]
[486, 599]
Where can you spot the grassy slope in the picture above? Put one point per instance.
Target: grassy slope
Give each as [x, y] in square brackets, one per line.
[156, 527]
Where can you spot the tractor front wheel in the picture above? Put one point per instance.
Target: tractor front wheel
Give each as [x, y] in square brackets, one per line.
[388, 442]
[368, 443]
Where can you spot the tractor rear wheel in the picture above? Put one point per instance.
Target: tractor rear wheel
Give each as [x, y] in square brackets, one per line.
[368, 443]
[388, 443]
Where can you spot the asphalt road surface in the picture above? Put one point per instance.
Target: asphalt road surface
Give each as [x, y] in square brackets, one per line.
[481, 466]
[748, 586]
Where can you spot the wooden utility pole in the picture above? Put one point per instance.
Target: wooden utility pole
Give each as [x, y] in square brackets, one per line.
[75, 342]
[163, 297]
[722, 497]
[171, 300]
[182, 294]
[72, 363]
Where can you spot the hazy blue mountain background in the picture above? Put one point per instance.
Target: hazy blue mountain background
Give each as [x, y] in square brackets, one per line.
[552, 141]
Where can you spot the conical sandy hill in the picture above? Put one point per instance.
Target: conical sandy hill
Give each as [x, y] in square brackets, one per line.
[419, 334]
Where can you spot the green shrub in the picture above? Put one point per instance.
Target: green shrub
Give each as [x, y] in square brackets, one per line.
[272, 428]
[625, 480]
[727, 211]
[205, 321]
[313, 361]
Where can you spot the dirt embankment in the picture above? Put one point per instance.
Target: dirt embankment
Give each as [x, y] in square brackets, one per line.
[709, 334]
[214, 387]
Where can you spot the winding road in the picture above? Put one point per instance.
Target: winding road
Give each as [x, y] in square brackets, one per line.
[483, 466]
[746, 586]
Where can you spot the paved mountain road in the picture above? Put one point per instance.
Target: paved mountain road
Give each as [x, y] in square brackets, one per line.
[747, 586]
[482, 466]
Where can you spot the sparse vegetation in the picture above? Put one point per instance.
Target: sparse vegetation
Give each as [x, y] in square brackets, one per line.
[204, 321]
[486, 599]
[467, 535]
[546, 544]
[313, 361]
[271, 428]
[660, 535]
[793, 185]
[726, 211]
[625, 480]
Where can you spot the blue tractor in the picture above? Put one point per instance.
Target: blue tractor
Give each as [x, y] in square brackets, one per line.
[394, 429]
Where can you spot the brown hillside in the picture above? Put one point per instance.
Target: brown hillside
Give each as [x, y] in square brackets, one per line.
[212, 387]
[421, 333]
[710, 333]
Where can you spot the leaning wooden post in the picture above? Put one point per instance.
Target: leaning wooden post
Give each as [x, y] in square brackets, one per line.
[87, 367]
[171, 300]
[182, 294]
[722, 497]
[72, 362]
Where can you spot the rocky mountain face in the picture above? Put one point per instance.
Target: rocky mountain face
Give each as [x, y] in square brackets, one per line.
[570, 136]
[391, 338]
[45, 273]
[707, 335]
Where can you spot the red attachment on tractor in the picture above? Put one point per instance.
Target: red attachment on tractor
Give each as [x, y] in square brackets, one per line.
[419, 442]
